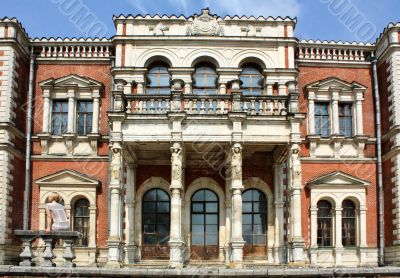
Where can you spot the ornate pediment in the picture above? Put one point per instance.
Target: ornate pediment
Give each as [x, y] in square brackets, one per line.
[205, 25]
[71, 80]
[67, 178]
[338, 179]
[334, 83]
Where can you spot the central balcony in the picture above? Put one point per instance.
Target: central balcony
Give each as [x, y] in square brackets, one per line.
[207, 104]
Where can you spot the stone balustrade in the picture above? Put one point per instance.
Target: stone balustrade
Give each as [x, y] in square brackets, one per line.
[207, 104]
[28, 236]
[75, 51]
[334, 51]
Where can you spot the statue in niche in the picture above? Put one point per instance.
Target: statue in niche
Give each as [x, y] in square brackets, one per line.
[176, 162]
[236, 163]
[296, 165]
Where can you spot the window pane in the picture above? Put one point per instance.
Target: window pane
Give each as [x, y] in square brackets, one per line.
[162, 207]
[210, 196]
[212, 207]
[197, 219]
[198, 196]
[211, 239]
[197, 207]
[247, 219]
[211, 219]
[247, 207]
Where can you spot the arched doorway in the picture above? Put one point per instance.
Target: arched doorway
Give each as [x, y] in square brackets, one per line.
[204, 225]
[155, 224]
[254, 221]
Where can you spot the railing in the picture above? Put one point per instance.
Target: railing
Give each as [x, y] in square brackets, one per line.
[75, 51]
[206, 104]
[28, 236]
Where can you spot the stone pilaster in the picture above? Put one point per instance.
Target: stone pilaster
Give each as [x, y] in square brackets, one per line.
[279, 217]
[236, 242]
[176, 240]
[130, 244]
[115, 187]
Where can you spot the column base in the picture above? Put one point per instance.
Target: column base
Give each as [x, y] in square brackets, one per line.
[279, 254]
[297, 246]
[338, 255]
[114, 254]
[176, 253]
[130, 254]
[236, 254]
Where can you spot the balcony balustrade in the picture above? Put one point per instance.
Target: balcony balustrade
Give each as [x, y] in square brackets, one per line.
[206, 104]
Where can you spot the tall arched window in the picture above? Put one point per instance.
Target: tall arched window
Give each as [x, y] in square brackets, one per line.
[158, 79]
[155, 224]
[348, 223]
[254, 222]
[252, 80]
[324, 223]
[205, 79]
[81, 220]
[204, 225]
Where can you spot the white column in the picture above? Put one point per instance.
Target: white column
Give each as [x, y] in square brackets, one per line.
[338, 236]
[295, 191]
[176, 240]
[228, 215]
[311, 111]
[237, 242]
[282, 90]
[71, 111]
[115, 187]
[359, 117]
[363, 226]
[278, 195]
[96, 112]
[335, 112]
[130, 244]
[46, 114]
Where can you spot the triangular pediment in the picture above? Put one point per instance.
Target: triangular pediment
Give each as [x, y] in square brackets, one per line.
[71, 80]
[67, 178]
[333, 82]
[338, 179]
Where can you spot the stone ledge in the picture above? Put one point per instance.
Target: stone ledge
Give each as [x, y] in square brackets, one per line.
[203, 272]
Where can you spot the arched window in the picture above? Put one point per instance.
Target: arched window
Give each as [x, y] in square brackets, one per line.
[348, 223]
[81, 220]
[155, 224]
[204, 225]
[254, 222]
[252, 80]
[158, 79]
[205, 79]
[324, 223]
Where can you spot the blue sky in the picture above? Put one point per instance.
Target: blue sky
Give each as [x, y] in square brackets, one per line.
[317, 19]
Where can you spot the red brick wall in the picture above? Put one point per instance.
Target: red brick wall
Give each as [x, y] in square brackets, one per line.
[95, 170]
[365, 171]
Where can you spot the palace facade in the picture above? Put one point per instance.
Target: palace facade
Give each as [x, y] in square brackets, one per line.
[202, 139]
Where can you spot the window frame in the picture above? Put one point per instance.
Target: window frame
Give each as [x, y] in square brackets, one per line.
[156, 89]
[249, 89]
[85, 114]
[206, 90]
[62, 114]
[79, 242]
[319, 129]
[342, 106]
[327, 220]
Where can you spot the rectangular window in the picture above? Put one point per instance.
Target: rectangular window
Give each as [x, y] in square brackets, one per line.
[59, 117]
[321, 118]
[85, 117]
[345, 119]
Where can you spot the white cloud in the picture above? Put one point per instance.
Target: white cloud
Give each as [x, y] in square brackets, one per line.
[255, 7]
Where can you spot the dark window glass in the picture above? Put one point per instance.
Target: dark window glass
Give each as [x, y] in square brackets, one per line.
[324, 224]
[321, 118]
[156, 217]
[81, 221]
[345, 119]
[251, 78]
[348, 223]
[205, 79]
[254, 217]
[205, 218]
[85, 117]
[158, 79]
[59, 117]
